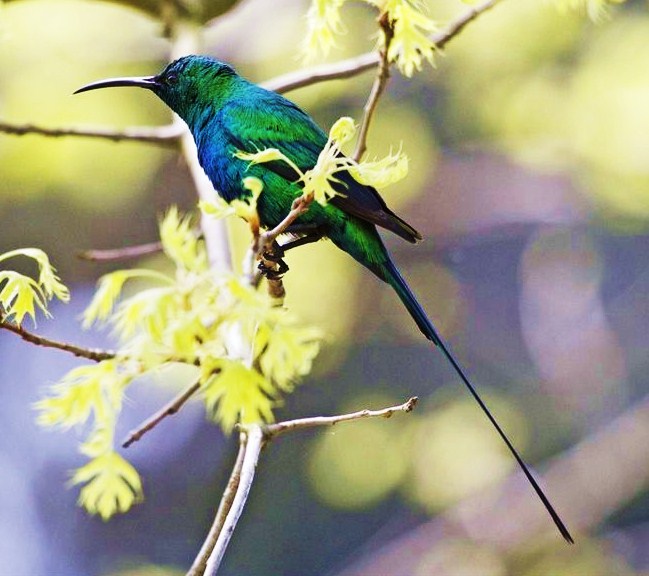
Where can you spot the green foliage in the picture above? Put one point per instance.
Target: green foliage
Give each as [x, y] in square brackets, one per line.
[111, 485]
[20, 295]
[246, 349]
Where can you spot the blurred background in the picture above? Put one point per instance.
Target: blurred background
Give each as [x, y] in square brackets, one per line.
[529, 148]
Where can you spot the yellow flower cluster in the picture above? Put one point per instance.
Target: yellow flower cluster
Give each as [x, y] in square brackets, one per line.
[410, 44]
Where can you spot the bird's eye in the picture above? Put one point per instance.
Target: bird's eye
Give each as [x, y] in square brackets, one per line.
[171, 79]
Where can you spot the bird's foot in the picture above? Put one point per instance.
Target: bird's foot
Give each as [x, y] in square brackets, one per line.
[272, 265]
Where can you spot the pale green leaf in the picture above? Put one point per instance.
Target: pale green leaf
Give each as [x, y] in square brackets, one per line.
[50, 284]
[109, 290]
[237, 393]
[111, 485]
[288, 353]
[20, 295]
[180, 242]
[323, 25]
[410, 44]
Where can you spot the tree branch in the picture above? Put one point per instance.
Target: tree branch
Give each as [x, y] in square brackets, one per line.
[264, 244]
[126, 253]
[359, 64]
[199, 565]
[94, 354]
[273, 430]
[251, 441]
[168, 409]
[170, 134]
[161, 135]
[380, 83]
[254, 442]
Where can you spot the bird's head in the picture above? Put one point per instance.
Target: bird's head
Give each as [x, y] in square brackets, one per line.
[185, 84]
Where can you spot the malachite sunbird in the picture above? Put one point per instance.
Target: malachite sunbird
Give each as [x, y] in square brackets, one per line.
[227, 114]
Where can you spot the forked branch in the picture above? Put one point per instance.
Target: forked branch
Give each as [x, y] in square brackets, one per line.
[251, 441]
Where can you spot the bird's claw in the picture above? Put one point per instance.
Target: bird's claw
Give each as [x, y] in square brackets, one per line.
[275, 255]
[276, 270]
[271, 264]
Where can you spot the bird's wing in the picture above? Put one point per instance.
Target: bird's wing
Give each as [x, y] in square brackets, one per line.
[275, 122]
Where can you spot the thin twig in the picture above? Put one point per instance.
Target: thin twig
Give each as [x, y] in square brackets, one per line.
[454, 28]
[323, 73]
[254, 443]
[380, 83]
[273, 430]
[168, 409]
[94, 354]
[359, 64]
[162, 135]
[200, 563]
[126, 253]
[300, 206]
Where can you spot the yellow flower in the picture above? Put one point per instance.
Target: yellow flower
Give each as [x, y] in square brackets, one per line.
[410, 44]
[323, 21]
[381, 173]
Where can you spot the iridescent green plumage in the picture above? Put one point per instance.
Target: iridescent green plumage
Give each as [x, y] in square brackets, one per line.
[226, 115]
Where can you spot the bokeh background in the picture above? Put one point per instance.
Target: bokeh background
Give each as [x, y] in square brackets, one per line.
[529, 147]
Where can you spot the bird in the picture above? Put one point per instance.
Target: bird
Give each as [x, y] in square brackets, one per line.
[227, 114]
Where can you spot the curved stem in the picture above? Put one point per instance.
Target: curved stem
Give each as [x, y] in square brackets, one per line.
[380, 83]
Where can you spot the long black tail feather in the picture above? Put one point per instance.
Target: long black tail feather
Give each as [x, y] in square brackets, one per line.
[393, 276]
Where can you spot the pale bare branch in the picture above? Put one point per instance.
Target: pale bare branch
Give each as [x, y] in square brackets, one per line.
[254, 442]
[118, 254]
[200, 563]
[273, 430]
[380, 83]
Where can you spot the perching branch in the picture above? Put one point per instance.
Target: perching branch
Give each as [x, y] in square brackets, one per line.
[126, 253]
[168, 409]
[161, 135]
[94, 354]
[264, 244]
[380, 83]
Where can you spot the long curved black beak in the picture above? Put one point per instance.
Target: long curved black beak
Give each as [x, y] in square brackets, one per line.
[149, 82]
